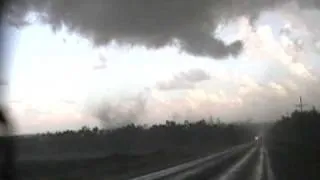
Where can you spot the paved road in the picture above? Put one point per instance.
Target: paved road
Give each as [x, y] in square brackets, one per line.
[246, 162]
[255, 165]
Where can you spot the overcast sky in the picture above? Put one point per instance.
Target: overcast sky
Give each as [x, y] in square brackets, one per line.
[59, 79]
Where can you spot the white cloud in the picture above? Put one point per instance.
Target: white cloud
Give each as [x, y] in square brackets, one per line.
[279, 89]
[300, 70]
[262, 44]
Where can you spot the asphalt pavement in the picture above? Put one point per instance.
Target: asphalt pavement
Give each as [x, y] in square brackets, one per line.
[245, 162]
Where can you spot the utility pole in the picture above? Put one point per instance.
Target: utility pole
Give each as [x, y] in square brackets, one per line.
[300, 105]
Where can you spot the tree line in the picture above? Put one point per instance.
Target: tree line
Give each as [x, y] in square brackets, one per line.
[294, 145]
[299, 127]
[171, 136]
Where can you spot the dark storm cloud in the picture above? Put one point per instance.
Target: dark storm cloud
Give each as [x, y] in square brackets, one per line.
[152, 23]
[184, 80]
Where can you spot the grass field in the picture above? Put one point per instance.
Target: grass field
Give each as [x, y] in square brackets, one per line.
[116, 166]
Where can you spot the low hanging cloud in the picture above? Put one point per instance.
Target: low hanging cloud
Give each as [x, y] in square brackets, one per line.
[189, 24]
[153, 23]
[184, 80]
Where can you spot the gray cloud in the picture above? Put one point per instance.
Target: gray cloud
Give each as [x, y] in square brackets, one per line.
[184, 80]
[153, 23]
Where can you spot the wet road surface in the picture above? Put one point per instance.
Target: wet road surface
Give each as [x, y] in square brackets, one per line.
[245, 163]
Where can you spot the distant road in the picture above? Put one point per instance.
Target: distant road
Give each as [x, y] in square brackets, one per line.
[244, 162]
